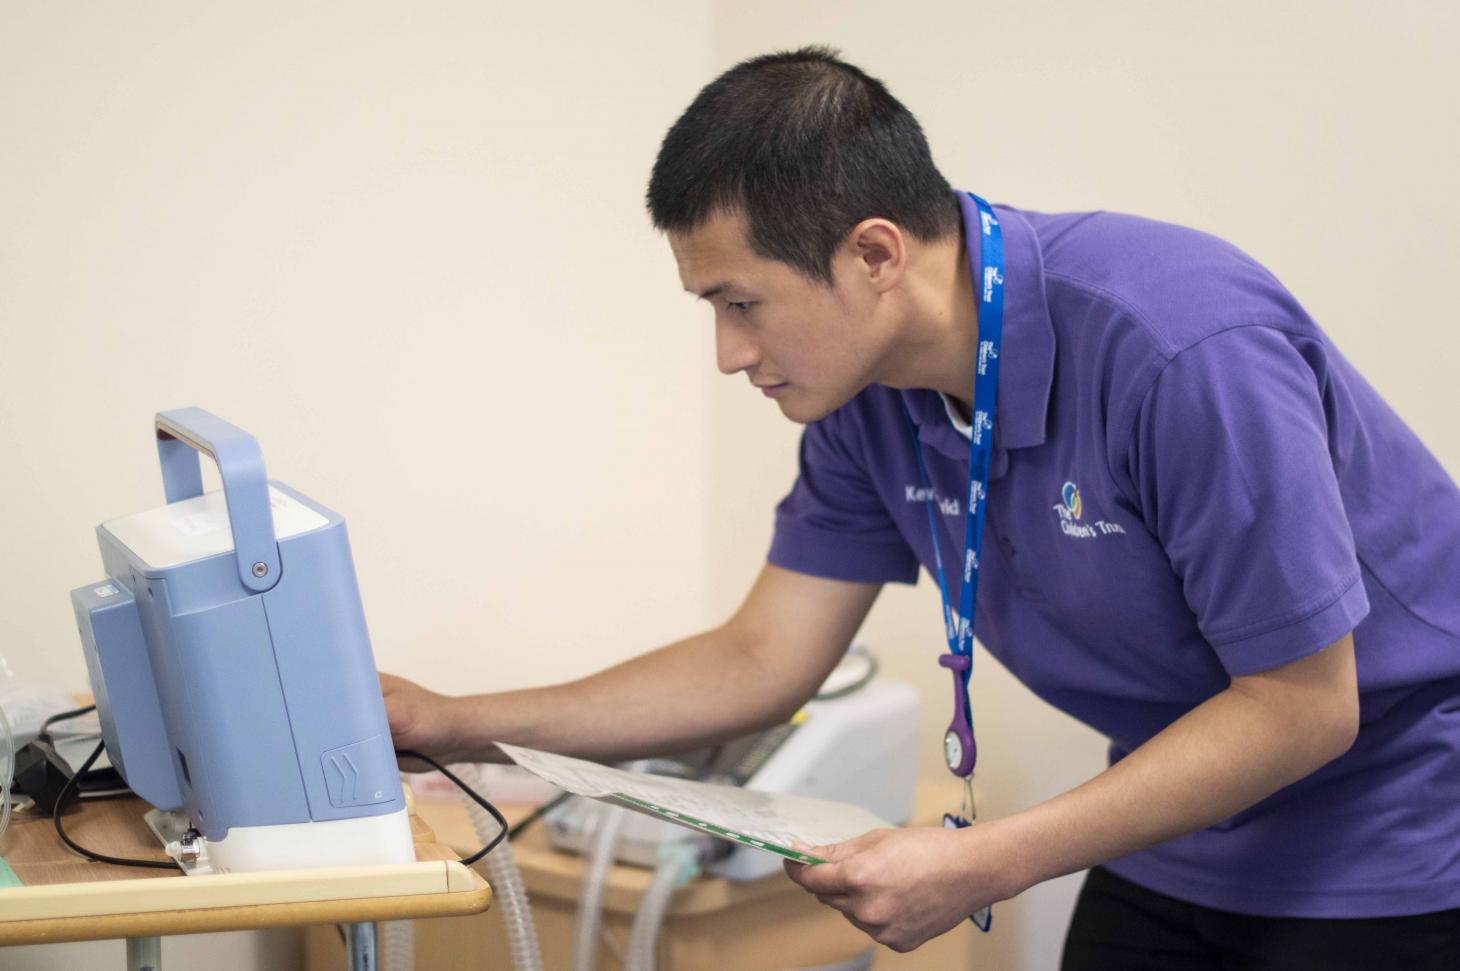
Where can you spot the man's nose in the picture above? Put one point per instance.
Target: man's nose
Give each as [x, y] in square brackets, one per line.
[734, 351]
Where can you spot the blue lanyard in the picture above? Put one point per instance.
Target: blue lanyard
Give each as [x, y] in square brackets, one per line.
[959, 750]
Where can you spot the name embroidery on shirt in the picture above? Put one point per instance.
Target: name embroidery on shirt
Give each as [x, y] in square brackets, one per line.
[948, 507]
[1071, 507]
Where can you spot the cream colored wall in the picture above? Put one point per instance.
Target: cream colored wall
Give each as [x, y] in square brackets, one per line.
[405, 247]
[1316, 135]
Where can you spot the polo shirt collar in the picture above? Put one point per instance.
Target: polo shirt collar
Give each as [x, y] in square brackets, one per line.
[1026, 364]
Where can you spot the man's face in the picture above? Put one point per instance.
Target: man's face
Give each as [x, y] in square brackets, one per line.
[809, 346]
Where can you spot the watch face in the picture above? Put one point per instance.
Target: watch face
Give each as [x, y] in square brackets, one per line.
[953, 751]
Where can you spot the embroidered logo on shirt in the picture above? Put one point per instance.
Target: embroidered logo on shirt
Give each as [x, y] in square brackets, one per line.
[1071, 495]
[1071, 507]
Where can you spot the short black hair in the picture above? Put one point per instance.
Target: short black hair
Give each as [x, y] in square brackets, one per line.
[806, 146]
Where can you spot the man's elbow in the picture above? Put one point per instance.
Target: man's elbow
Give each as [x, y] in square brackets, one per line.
[1315, 700]
[1340, 727]
[1342, 698]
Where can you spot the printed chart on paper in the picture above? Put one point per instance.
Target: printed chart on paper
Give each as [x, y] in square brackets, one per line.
[768, 821]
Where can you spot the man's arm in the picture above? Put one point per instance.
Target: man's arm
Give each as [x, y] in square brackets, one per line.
[750, 673]
[1263, 732]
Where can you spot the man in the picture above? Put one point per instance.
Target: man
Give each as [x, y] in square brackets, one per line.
[1208, 538]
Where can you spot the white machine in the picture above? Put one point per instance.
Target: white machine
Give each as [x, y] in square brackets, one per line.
[859, 748]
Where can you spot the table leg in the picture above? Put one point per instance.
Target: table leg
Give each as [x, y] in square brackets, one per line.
[144, 953]
[360, 947]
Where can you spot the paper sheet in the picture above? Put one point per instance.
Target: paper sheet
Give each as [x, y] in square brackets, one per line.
[767, 821]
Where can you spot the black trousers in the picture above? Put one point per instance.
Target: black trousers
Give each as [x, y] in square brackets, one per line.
[1119, 926]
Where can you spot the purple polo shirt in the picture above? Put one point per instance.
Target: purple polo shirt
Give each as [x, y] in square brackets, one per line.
[1189, 483]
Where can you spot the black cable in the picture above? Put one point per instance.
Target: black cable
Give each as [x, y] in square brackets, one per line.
[537, 814]
[118, 785]
[860, 683]
[61, 801]
[45, 731]
[71, 787]
[474, 796]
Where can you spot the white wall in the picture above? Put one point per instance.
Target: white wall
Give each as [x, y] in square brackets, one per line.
[404, 245]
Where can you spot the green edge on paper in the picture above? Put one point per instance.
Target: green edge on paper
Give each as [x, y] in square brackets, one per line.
[712, 829]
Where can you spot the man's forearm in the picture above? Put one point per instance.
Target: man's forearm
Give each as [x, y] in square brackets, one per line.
[694, 692]
[1226, 754]
[751, 672]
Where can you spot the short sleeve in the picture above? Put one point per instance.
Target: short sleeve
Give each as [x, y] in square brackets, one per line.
[833, 523]
[1230, 455]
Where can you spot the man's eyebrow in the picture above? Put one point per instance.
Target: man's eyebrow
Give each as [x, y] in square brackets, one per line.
[713, 291]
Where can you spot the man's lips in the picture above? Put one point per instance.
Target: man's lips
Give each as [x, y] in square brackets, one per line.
[774, 390]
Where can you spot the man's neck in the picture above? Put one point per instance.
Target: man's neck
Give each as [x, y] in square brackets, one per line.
[941, 336]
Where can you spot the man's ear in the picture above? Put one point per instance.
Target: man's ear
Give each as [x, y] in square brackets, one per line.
[880, 252]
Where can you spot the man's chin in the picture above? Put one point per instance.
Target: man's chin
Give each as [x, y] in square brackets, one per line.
[803, 409]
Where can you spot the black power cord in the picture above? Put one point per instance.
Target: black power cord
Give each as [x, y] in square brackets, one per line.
[64, 798]
[41, 772]
[537, 814]
[472, 794]
[866, 676]
[45, 731]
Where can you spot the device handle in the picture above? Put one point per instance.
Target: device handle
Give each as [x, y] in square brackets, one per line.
[184, 432]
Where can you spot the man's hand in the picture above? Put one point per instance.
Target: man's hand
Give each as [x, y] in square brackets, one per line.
[420, 719]
[903, 887]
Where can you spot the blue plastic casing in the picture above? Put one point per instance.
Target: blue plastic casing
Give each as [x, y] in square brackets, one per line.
[239, 687]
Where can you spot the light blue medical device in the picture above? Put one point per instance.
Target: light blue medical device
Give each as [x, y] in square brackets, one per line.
[232, 670]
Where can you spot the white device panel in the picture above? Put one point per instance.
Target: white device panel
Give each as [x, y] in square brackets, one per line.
[197, 528]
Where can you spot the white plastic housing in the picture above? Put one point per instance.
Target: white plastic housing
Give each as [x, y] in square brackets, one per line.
[297, 846]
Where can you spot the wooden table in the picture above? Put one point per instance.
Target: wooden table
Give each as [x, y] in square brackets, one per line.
[68, 898]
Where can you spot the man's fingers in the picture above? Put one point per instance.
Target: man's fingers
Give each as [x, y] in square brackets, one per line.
[819, 878]
[838, 852]
[827, 853]
[867, 929]
[837, 901]
[829, 877]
